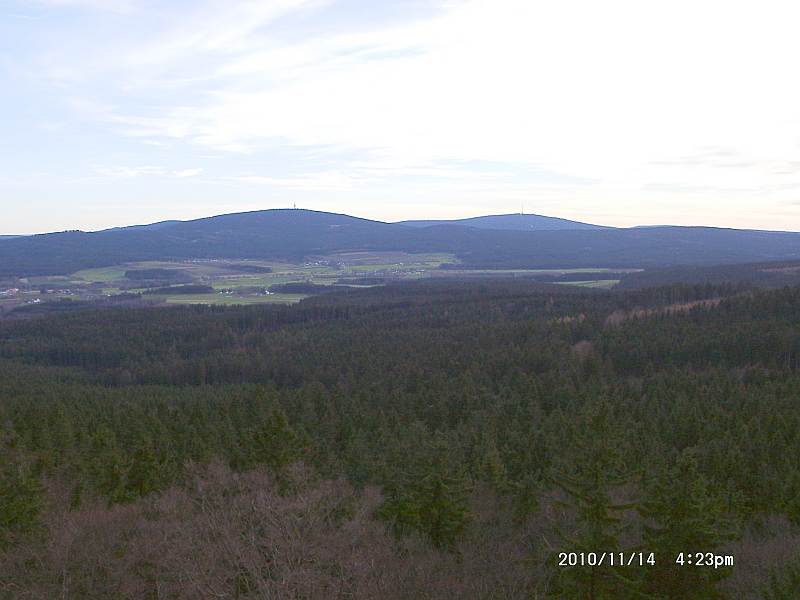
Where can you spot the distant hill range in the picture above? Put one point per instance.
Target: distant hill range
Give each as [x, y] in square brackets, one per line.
[512, 222]
[291, 234]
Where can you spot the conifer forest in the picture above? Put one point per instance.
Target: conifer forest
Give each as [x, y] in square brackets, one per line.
[489, 439]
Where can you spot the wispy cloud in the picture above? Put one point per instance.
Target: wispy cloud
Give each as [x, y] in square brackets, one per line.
[126, 172]
[187, 173]
[325, 181]
[577, 105]
[417, 92]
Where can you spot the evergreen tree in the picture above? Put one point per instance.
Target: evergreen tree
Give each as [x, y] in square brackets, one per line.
[430, 499]
[598, 470]
[144, 474]
[276, 444]
[21, 501]
[683, 515]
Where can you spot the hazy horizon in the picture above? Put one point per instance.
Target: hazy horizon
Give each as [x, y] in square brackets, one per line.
[120, 112]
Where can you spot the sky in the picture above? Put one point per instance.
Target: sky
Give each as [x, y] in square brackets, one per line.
[620, 112]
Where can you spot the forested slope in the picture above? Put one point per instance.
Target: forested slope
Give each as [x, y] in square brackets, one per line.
[457, 434]
[299, 234]
[767, 275]
[516, 222]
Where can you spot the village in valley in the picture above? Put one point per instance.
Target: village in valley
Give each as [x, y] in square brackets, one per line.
[248, 281]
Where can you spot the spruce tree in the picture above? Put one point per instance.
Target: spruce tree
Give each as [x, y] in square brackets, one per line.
[598, 470]
[429, 498]
[683, 515]
[21, 501]
[276, 445]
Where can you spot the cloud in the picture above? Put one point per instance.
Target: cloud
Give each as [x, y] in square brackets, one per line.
[128, 172]
[125, 172]
[187, 173]
[503, 80]
[574, 103]
[326, 181]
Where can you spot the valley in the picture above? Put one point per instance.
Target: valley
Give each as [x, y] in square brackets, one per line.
[252, 281]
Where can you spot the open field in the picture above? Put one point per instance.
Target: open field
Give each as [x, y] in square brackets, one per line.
[102, 274]
[595, 283]
[246, 281]
[523, 272]
[223, 299]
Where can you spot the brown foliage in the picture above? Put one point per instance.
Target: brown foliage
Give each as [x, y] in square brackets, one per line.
[229, 535]
[226, 535]
[620, 316]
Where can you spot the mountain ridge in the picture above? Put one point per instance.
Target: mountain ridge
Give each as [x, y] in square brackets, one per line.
[297, 234]
[511, 222]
